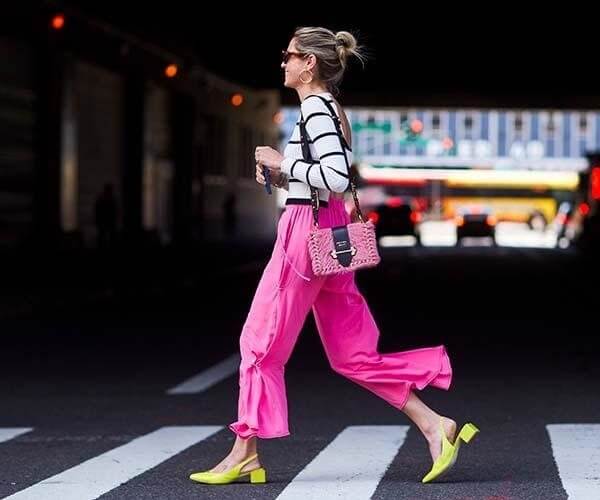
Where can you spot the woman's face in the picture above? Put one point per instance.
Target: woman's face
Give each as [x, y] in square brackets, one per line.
[294, 66]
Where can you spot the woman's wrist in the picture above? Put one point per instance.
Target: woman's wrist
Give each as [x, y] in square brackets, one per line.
[281, 180]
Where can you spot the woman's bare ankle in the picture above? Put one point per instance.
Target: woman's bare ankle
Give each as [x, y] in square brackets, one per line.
[243, 448]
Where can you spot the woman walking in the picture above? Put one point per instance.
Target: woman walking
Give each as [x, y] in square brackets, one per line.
[314, 63]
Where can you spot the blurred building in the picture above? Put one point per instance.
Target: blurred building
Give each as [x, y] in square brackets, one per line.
[532, 139]
[83, 105]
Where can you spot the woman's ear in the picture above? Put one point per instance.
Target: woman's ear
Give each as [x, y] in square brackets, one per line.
[312, 62]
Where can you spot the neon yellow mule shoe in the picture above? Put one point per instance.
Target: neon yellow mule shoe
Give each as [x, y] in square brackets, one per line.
[258, 475]
[447, 458]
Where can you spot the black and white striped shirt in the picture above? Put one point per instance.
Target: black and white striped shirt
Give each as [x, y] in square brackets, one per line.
[330, 168]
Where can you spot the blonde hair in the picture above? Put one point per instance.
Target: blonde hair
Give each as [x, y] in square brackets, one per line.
[332, 51]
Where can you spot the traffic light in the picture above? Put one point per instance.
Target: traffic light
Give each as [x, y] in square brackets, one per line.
[416, 126]
[412, 130]
[447, 143]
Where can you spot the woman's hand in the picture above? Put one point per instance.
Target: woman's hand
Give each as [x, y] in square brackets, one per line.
[260, 176]
[268, 157]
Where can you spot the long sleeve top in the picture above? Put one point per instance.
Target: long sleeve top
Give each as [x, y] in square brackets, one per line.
[330, 167]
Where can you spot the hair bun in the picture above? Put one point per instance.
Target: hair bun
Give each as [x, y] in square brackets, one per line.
[345, 39]
[345, 46]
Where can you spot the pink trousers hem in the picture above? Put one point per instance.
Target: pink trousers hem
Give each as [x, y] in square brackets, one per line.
[441, 379]
[253, 433]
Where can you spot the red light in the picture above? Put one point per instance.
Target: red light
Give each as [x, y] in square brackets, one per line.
[58, 22]
[595, 183]
[491, 220]
[171, 70]
[416, 126]
[237, 99]
[415, 217]
[374, 217]
[394, 201]
[460, 220]
[447, 143]
[584, 209]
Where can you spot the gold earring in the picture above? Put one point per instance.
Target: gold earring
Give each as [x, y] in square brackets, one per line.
[309, 72]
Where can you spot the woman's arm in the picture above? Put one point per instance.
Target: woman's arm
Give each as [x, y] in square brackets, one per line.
[282, 182]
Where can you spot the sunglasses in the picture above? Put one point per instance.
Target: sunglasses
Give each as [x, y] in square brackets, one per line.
[286, 55]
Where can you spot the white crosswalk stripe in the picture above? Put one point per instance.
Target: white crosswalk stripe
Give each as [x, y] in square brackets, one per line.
[351, 466]
[100, 474]
[8, 433]
[576, 449]
[209, 377]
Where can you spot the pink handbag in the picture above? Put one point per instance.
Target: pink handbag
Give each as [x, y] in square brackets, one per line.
[340, 249]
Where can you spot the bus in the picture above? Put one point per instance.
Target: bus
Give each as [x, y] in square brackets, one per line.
[529, 196]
